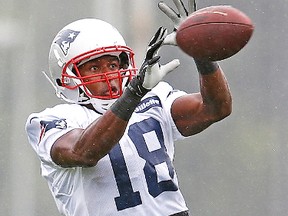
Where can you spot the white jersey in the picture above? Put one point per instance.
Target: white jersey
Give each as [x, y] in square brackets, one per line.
[137, 177]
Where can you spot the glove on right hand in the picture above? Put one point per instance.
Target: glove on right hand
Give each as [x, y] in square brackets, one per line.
[176, 18]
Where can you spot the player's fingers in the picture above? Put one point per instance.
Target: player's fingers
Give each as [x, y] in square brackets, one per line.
[170, 66]
[168, 11]
[181, 8]
[161, 34]
[192, 6]
[170, 39]
[153, 61]
[156, 36]
[156, 42]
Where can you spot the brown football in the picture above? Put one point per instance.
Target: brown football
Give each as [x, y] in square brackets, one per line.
[214, 33]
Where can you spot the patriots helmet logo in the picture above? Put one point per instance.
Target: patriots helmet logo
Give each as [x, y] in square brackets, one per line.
[65, 38]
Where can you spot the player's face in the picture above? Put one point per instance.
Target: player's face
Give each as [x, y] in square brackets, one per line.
[96, 70]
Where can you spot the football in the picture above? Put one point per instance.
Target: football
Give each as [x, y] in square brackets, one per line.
[214, 33]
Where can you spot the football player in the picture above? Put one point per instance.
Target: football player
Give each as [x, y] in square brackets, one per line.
[109, 149]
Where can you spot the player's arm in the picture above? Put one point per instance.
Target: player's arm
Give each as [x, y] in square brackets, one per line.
[193, 113]
[86, 147]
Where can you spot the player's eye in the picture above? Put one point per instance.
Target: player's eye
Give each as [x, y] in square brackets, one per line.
[113, 66]
[94, 68]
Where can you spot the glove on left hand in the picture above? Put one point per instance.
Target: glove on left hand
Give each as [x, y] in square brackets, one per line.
[151, 72]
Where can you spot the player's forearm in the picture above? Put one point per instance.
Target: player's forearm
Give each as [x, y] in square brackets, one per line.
[99, 138]
[216, 93]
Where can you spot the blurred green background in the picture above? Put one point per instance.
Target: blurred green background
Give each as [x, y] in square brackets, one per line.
[236, 167]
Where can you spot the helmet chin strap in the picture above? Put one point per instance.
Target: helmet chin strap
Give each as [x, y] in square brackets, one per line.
[100, 105]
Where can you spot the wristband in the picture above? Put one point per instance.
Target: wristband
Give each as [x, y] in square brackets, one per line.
[206, 67]
[124, 106]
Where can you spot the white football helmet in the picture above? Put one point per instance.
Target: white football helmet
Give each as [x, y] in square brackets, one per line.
[76, 44]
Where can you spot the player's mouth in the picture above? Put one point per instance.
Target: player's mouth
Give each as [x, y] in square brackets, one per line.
[114, 92]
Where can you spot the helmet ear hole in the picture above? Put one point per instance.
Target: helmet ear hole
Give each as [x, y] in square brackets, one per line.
[124, 60]
[58, 81]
